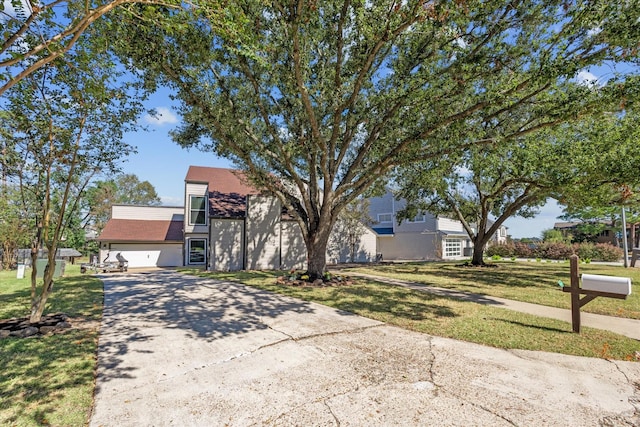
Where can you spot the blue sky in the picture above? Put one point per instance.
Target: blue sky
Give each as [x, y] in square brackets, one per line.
[164, 164]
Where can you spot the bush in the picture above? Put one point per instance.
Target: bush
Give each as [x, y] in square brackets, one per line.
[585, 250]
[523, 250]
[607, 252]
[503, 250]
[554, 250]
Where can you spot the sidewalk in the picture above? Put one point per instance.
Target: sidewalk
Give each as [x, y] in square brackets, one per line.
[627, 327]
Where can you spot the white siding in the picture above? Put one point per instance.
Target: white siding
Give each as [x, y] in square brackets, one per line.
[446, 224]
[294, 251]
[166, 213]
[227, 244]
[145, 254]
[263, 233]
[192, 189]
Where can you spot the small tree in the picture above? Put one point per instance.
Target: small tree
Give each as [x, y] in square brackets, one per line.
[65, 123]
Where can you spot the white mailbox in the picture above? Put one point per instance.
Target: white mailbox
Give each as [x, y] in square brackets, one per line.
[609, 284]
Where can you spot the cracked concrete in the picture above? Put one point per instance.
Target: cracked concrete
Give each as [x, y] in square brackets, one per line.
[180, 350]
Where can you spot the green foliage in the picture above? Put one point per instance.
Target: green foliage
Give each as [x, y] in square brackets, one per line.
[331, 96]
[65, 122]
[123, 189]
[554, 236]
[557, 251]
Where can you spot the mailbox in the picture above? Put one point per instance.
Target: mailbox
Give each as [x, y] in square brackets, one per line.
[608, 284]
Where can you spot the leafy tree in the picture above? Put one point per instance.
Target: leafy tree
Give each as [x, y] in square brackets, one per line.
[14, 233]
[335, 94]
[517, 177]
[554, 236]
[65, 123]
[123, 189]
[34, 34]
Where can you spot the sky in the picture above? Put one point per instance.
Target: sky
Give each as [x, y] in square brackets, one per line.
[164, 164]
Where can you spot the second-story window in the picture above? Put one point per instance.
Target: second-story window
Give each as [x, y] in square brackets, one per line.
[386, 217]
[197, 213]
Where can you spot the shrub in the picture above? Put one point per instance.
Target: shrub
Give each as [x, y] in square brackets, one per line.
[607, 252]
[585, 250]
[503, 250]
[554, 250]
[523, 250]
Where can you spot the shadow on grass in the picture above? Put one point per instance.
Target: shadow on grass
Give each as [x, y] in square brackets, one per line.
[32, 375]
[530, 326]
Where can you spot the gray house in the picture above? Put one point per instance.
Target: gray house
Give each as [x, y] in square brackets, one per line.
[425, 237]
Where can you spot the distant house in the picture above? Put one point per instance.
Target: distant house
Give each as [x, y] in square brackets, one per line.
[225, 224]
[424, 237]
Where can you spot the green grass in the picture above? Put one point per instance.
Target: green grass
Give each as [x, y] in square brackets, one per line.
[534, 282]
[449, 317]
[49, 380]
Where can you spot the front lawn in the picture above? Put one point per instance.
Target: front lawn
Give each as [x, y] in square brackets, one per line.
[50, 380]
[447, 317]
[534, 282]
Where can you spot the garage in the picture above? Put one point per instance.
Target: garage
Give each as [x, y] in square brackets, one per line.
[148, 255]
[144, 243]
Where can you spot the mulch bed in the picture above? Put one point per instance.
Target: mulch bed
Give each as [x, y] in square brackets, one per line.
[297, 280]
[55, 323]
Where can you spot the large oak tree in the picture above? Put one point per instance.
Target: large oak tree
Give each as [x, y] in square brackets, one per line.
[327, 97]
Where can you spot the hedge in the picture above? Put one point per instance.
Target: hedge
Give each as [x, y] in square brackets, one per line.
[556, 251]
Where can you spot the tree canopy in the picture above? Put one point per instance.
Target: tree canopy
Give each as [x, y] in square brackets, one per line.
[122, 189]
[333, 95]
[63, 126]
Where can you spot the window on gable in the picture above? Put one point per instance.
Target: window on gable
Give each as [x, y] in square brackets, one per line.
[197, 212]
[417, 218]
[385, 217]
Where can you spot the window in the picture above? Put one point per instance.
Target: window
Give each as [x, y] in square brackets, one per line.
[452, 248]
[418, 218]
[503, 232]
[385, 217]
[197, 213]
[197, 251]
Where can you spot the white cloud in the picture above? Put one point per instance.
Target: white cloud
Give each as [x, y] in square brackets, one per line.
[163, 116]
[586, 78]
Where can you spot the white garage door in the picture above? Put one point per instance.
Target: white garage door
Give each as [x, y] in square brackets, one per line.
[149, 255]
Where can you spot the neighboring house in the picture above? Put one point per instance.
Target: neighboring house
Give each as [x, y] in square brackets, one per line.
[225, 224]
[608, 235]
[425, 237]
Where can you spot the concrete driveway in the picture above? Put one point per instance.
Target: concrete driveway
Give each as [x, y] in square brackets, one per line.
[178, 350]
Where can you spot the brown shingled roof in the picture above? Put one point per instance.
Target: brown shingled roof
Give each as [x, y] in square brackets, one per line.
[225, 181]
[134, 230]
[228, 190]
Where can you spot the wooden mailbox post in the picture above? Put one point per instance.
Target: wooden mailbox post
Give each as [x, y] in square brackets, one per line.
[593, 286]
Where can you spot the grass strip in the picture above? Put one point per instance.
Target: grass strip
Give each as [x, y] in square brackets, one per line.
[448, 317]
[50, 380]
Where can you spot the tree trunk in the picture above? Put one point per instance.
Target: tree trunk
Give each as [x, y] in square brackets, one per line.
[38, 302]
[478, 252]
[317, 258]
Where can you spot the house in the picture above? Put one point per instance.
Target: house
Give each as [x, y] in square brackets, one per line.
[424, 237]
[225, 224]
